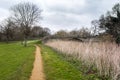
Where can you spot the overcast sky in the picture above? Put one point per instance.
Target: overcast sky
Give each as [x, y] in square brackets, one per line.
[64, 14]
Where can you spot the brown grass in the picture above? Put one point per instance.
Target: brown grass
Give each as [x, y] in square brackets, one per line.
[103, 56]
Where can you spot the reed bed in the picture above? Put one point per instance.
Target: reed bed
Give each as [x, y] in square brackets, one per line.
[105, 57]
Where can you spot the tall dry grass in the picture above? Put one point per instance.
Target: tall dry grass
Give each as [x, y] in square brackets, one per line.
[103, 56]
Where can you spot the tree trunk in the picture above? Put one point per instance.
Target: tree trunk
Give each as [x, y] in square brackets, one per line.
[118, 40]
[25, 41]
[7, 39]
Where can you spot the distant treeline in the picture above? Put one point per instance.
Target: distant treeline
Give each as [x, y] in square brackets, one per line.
[106, 27]
[11, 32]
[19, 26]
[110, 23]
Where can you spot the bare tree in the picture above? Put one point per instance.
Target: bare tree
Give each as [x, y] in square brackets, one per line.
[46, 32]
[26, 15]
[74, 33]
[84, 32]
[36, 31]
[8, 29]
[1, 32]
[61, 33]
[95, 27]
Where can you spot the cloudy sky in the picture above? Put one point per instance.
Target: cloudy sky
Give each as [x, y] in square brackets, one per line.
[64, 14]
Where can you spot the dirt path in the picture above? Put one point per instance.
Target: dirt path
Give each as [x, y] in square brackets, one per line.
[37, 72]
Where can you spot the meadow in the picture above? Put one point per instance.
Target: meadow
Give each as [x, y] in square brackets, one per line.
[102, 58]
[58, 67]
[62, 60]
[16, 61]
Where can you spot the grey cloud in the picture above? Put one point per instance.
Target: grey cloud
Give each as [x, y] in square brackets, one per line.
[66, 14]
[72, 16]
[91, 7]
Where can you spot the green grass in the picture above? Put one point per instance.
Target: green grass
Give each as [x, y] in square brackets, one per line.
[56, 68]
[59, 67]
[16, 61]
[90, 73]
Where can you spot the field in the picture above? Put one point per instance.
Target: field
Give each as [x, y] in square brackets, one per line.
[16, 61]
[102, 59]
[62, 60]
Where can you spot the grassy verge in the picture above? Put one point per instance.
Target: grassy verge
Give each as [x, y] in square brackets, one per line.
[56, 68]
[16, 61]
[60, 67]
[90, 73]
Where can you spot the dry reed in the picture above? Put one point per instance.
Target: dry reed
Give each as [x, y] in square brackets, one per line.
[104, 56]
